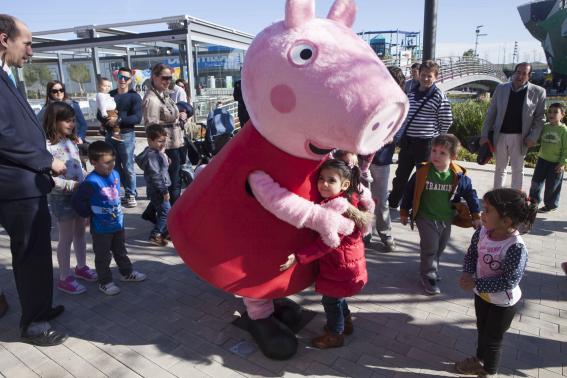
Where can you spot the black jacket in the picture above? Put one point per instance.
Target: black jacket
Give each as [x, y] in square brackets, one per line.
[24, 159]
[129, 107]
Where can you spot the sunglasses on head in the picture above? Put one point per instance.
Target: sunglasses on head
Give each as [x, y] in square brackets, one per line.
[166, 78]
[124, 77]
[55, 91]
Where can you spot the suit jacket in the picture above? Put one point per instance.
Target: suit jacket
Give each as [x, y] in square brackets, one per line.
[24, 159]
[533, 112]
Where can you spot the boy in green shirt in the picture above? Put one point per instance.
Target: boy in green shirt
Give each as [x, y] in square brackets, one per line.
[551, 161]
[429, 195]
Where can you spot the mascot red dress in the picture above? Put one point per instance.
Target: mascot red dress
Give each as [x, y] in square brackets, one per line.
[310, 85]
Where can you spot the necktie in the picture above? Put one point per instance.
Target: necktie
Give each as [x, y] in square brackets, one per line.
[11, 76]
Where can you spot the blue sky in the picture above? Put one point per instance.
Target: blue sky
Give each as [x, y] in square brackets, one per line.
[457, 19]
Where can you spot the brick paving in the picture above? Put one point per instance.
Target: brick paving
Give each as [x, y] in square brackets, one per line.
[175, 325]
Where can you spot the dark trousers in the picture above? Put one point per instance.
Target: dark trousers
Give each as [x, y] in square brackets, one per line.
[160, 209]
[491, 322]
[336, 310]
[174, 170]
[412, 152]
[544, 172]
[103, 245]
[28, 224]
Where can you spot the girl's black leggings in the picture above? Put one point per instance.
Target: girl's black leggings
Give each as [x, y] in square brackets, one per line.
[491, 322]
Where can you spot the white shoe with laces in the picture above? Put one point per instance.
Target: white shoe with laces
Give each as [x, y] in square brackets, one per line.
[109, 288]
[135, 276]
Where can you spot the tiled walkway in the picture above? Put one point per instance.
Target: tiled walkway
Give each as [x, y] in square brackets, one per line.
[176, 325]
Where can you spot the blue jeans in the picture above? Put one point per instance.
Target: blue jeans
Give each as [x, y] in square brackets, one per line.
[125, 161]
[161, 208]
[544, 172]
[336, 310]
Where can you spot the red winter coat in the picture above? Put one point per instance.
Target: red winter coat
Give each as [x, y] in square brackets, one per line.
[342, 270]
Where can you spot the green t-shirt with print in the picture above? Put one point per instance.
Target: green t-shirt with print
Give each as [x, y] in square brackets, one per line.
[435, 199]
[554, 143]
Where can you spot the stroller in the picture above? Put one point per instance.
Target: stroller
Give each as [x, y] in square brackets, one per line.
[219, 130]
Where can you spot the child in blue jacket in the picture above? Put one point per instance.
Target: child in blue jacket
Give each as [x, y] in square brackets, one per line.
[430, 195]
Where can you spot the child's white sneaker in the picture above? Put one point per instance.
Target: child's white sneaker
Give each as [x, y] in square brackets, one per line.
[135, 276]
[109, 288]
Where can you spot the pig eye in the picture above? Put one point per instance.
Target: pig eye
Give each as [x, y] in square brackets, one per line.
[302, 53]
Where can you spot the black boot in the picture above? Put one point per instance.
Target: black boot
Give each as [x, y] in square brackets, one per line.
[287, 311]
[274, 339]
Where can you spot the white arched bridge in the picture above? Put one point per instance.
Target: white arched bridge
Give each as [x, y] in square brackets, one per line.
[457, 71]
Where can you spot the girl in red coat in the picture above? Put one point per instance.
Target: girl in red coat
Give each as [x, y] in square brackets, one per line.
[342, 270]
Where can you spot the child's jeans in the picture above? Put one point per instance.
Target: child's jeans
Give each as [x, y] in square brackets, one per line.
[433, 237]
[103, 244]
[336, 310]
[544, 172]
[161, 207]
[491, 322]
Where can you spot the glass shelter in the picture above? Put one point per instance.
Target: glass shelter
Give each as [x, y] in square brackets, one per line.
[208, 56]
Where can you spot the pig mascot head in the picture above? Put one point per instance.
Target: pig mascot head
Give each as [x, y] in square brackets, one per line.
[310, 85]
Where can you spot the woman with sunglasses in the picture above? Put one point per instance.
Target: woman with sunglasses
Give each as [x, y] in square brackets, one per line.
[159, 108]
[56, 92]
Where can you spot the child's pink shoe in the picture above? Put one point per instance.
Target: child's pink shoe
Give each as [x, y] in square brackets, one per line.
[86, 273]
[70, 286]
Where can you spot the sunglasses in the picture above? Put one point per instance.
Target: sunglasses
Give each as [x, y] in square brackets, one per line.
[55, 91]
[166, 78]
[123, 77]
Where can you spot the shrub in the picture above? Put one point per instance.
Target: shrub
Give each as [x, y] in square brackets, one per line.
[468, 117]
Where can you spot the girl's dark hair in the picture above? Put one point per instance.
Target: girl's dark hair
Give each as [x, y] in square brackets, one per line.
[55, 112]
[50, 86]
[514, 204]
[346, 173]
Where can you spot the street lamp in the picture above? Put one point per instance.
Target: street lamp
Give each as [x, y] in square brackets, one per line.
[478, 34]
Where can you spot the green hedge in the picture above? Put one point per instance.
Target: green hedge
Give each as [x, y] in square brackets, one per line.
[468, 117]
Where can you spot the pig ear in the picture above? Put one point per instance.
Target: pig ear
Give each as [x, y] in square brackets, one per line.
[344, 12]
[298, 12]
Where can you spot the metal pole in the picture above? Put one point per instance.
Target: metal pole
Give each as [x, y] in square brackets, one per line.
[128, 58]
[429, 29]
[191, 79]
[60, 67]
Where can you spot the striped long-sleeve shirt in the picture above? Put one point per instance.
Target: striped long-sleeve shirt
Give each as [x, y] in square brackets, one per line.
[434, 118]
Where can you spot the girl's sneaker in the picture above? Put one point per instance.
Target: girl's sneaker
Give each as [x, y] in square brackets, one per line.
[70, 286]
[133, 277]
[86, 273]
[109, 288]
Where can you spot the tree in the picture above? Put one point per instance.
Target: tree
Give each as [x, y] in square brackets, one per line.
[469, 53]
[37, 72]
[80, 74]
[30, 75]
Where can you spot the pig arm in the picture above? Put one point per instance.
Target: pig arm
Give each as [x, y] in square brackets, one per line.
[299, 212]
[367, 203]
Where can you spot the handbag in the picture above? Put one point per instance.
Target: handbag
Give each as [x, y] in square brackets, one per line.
[463, 217]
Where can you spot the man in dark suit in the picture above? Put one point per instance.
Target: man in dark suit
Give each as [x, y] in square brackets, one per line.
[25, 168]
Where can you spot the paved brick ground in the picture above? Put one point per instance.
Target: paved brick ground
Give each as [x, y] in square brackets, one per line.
[174, 324]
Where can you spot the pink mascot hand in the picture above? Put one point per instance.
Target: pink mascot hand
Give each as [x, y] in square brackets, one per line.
[298, 211]
[367, 203]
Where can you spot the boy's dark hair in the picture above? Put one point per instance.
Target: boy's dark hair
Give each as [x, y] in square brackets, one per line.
[154, 131]
[100, 148]
[397, 75]
[55, 112]
[449, 141]
[125, 69]
[514, 204]
[429, 65]
[557, 105]
[346, 173]
[416, 65]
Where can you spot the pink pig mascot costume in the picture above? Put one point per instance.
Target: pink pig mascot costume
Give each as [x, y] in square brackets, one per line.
[310, 85]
